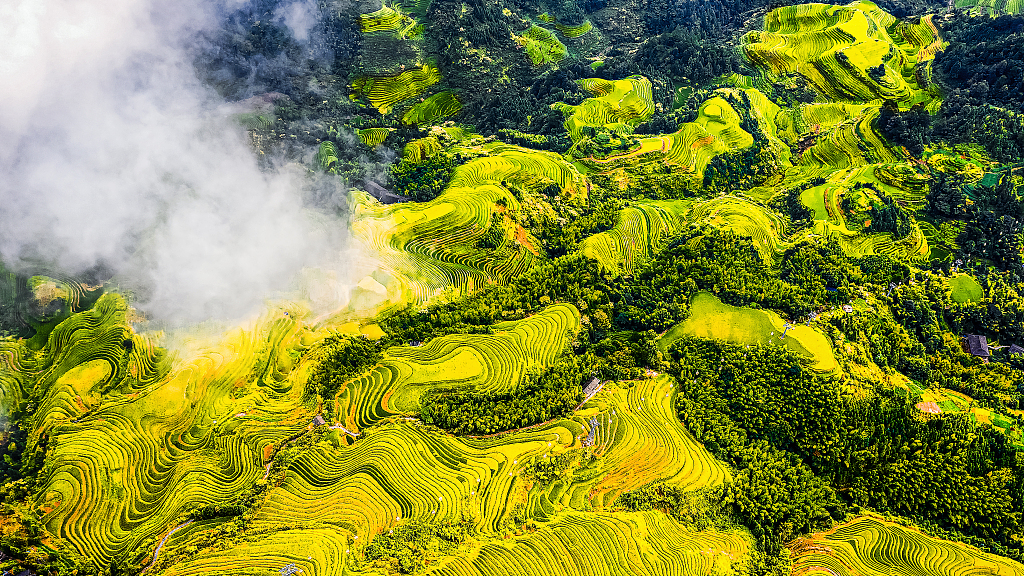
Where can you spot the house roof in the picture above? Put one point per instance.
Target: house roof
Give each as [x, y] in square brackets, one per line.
[977, 345]
[592, 386]
[1015, 349]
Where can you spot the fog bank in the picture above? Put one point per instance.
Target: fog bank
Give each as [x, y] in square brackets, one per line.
[113, 154]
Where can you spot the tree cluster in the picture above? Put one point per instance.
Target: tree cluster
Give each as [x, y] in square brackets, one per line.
[422, 181]
[538, 398]
[807, 451]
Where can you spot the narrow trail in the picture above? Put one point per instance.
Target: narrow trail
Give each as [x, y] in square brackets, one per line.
[156, 552]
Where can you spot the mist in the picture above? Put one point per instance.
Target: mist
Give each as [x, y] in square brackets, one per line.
[113, 154]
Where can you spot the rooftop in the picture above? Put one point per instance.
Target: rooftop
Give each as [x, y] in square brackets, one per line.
[977, 345]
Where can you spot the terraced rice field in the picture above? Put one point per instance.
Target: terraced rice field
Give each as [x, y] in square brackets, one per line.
[486, 363]
[136, 441]
[428, 250]
[618, 105]
[383, 92]
[202, 431]
[869, 546]
[643, 228]
[314, 551]
[637, 544]
[400, 471]
[716, 130]
[992, 7]
[639, 441]
[711, 318]
[436, 107]
[567, 30]
[745, 218]
[834, 46]
[133, 439]
[541, 45]
[374, 137]
[421, 149]
[387, 19]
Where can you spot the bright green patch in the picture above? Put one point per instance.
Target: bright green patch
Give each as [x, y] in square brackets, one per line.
[374, 137]
[711, 318]
[853, 53]
[434, 108]
[965, 288]
[388, 19]
[641, 231]
[541, 45]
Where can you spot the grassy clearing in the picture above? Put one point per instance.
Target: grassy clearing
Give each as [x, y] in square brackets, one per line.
[964, 288]
[869, 546]
[711, 318]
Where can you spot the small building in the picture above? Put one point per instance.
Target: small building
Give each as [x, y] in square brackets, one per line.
[592, 387]
[318, 420]
[978, 345]
[1014, 350]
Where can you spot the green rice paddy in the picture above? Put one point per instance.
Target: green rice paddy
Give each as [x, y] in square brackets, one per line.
[992, 7]
[651, 544]
[642, 229]
[432, 109]
[833, 47]
[541, 45]
[567, 30]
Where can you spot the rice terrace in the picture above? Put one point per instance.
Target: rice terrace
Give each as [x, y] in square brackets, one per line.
[512, 287]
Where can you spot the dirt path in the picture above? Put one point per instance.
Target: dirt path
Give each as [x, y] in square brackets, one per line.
[156, 552]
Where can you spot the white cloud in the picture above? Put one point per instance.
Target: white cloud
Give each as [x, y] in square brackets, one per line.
[112, 152]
